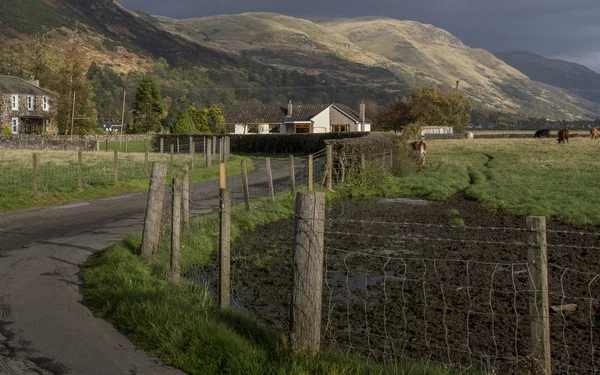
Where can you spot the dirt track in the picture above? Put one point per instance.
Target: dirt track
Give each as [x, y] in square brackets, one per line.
[457, 296]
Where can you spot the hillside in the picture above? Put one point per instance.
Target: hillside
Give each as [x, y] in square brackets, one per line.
[414, 52]
[573, 77]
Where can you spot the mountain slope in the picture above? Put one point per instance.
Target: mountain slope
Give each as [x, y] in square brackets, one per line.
[417, 53]
[108, 23]
[573, 77]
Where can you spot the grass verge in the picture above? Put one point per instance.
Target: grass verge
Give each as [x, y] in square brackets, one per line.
[181, 325]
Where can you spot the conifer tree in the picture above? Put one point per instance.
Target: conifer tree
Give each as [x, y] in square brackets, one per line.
[147, 108]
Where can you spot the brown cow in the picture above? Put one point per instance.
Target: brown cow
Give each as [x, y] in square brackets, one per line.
[419, 150]
[563, 136]
[594, 133]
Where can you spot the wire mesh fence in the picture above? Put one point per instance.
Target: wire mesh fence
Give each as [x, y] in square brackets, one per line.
[460, 296]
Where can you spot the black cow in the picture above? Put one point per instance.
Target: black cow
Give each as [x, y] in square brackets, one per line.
[542, 133]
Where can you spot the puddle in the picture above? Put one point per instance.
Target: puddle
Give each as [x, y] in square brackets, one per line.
[413, 201]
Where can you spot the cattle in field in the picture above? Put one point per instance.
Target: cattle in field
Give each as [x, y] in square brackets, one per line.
[542, 133]
[563, 136]
[594, 133]
[419, 149]
[469, 135]
[573, 135]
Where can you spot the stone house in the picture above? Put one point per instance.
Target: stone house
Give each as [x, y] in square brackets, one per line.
[294, 118]
[24, 106]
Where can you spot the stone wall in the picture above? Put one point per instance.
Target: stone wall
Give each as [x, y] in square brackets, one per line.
[47, 142]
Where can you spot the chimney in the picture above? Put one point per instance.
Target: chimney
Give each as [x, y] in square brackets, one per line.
[35, 83]
[363, 109]
[290, 108]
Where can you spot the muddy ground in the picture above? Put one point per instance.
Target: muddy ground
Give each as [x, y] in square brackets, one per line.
[454, 292]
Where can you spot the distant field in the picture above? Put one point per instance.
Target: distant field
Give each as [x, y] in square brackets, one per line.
[137, 146]
[582, 132]
[521, 176]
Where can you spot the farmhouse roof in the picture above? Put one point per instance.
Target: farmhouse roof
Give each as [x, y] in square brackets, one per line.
[276, 113]
[16, 85]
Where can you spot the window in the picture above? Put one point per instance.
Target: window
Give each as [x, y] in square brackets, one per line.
[30, 102]
[45, 103]
[15, 102]
[301, 128]
[339, 128]
[15, 125]
[274, 128]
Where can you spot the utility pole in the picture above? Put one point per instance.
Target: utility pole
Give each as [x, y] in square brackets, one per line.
[122, 118]
[73, 115]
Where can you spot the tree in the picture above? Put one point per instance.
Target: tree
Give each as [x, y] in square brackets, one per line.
[434, 107]
[396, 115]
[216, 121]
[191, 121]
[71, 83]
[147, 108]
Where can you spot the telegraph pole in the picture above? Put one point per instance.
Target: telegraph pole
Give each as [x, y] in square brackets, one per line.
[122, 118]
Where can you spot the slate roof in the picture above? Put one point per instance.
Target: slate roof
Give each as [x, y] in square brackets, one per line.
[15, 85]
[253, 114]
[277, 114]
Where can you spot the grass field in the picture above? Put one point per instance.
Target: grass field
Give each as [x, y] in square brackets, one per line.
[57, 175]
[136, 146]
[520, 176]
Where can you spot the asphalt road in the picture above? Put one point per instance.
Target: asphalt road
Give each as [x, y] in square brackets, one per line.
[45, 327]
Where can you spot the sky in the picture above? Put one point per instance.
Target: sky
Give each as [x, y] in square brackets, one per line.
[564, 29]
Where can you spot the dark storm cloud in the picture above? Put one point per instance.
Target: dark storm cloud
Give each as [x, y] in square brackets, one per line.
[567, 29]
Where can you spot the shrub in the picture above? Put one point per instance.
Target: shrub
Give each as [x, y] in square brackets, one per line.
[6, 130]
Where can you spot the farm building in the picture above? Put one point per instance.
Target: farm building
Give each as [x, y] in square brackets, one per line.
[437, 130]
[24, 106]
[294, 118]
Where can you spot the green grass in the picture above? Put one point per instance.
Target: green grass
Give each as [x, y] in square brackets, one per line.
[57, 176]
[135, 146]
[520, 176]
[181, 325]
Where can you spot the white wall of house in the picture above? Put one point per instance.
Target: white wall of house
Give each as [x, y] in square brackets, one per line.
[321, 122]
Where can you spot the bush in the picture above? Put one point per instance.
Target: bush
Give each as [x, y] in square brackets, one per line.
[6, 130]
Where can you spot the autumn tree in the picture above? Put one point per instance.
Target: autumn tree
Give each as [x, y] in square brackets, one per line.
[191, 121]
[396, 115]
[431, 106]
[147, 108]
[216, 121]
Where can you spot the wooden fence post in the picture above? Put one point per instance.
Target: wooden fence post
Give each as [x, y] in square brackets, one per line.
[193, 153]
[162, 145]
[292, 175]
[310, 172]
[227, 148]
[224, 248]
[116, 167]
[80, 170]
[106, 145]
[214, 146]
[208, 153]
[146, 159]
[245, 184]
[176, 232]
[270, 180]
[539, 308]
[307, 273]
[178, 146]
[171, 159]
[391, 161]
[126, 146]
[35, 175]
[223, 175]
[329, 167]
[186, 199]
[154, 209]
[204, 146]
